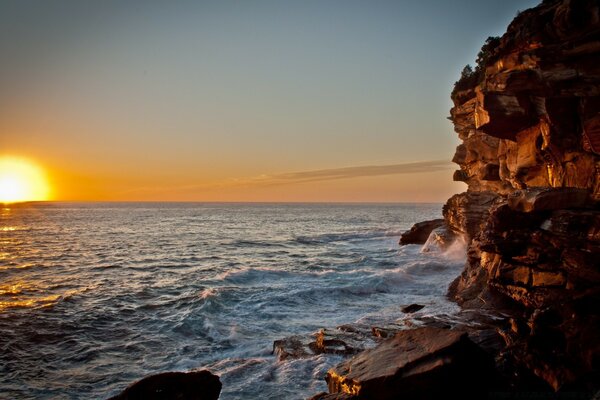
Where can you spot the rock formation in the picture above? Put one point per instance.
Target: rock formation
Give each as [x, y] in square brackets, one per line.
[530, 126]
[407, 364]
[420, 232]
[529, 119]
[196, 385]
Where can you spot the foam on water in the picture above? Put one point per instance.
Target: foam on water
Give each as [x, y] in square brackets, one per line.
[95, 296]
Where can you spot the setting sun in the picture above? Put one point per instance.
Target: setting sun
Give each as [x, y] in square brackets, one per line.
[21, 180]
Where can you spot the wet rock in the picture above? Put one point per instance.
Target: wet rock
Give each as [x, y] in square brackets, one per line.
[344, 340]
[196, 385]
[412, 308]
[440, 239]
[388, 330]
[292, 347]
[420, 231]
[338, 342]
[417, 364]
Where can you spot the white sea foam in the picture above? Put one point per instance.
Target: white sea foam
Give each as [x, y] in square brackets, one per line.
[201, 285]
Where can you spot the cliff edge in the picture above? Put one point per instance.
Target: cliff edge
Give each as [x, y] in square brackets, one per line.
[529, 119]
[528, 116]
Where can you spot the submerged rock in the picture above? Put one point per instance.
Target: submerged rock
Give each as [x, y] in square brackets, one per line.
[422, 363]
[196, 385]
[420, 232]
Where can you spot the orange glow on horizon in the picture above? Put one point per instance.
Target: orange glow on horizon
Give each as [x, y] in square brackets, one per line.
[22, 180]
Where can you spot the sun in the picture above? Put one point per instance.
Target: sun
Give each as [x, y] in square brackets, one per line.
[22, 180]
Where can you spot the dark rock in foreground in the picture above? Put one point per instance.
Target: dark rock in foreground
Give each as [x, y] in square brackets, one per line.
[420, 232]
[412, 308]
[197, 385]
[421, 363]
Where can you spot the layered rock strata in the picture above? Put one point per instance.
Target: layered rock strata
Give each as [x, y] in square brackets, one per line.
[529, 120]
[530, 155]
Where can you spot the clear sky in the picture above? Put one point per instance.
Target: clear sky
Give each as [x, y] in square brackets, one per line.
[239, 100]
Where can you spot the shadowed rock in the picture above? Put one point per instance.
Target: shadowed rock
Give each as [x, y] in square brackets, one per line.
[412, 308]
[530, 154]
[420, 231]
[422, 363]
[197, 385]
[545, 199]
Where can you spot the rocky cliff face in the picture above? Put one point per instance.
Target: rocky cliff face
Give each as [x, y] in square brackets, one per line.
[529, 119]
[530, 127]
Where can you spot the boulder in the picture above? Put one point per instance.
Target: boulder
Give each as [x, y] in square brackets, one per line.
[420, 231]
[422, 363]
[195, 385]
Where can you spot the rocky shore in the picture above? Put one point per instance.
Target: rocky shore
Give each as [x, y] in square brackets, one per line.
[528, 116]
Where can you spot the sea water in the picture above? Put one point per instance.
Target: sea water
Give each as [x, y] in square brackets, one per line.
[94, 296]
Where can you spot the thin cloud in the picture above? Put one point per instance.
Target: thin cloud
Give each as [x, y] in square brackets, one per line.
[344, 173]
[290, 178]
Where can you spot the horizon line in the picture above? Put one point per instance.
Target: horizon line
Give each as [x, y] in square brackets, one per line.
[21, 203]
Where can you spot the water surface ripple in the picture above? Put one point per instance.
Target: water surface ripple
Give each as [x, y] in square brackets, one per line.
[95, 296]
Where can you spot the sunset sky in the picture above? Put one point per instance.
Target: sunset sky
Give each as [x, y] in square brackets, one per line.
[239, 100]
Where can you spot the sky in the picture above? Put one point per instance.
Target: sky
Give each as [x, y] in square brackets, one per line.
[329, 100]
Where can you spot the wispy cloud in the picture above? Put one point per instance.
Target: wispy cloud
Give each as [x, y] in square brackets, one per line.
[344, 173]
[318, 175]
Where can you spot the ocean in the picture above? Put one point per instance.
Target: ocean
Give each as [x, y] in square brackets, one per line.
[94, 296]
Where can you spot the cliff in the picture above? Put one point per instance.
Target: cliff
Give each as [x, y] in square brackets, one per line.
[528, 116]
[529, 120]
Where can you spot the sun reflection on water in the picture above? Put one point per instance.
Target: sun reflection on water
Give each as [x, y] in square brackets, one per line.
[24, 290]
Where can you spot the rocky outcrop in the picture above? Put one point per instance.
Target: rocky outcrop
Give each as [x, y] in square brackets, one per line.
[344, 340]
[422, 363]
[529, 119]
[420, 231]
[530, 155]
[196, 385]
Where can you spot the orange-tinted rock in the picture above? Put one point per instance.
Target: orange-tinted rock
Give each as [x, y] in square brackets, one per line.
[530, 131]
[548, 278]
